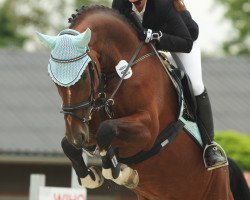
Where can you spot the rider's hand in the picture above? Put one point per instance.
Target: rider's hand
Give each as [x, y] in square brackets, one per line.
[179, 5]
[151, 36]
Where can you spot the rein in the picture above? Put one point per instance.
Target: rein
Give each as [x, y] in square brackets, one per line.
[138, 49]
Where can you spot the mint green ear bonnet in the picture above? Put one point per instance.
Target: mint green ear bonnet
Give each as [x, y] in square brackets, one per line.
[69, 56]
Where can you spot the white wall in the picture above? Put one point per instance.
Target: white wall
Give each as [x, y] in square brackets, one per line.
[213, 27]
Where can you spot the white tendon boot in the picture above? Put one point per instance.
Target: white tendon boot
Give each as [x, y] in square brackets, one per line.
[93, 182]
[127, 176]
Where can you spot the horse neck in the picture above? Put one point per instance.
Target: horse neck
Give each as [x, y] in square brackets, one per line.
[112, 38]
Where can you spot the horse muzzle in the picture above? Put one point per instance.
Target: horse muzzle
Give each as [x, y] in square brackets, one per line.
[77, 133]
[78, 138]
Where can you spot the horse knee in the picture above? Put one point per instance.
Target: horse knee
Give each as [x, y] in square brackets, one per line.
[94, 179]
[106, 133]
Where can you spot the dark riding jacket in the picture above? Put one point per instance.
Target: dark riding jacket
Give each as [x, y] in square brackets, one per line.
[179, 29]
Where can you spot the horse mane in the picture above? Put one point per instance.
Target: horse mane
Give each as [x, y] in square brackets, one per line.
[84, 10]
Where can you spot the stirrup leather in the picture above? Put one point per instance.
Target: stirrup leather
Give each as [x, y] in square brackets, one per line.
[223, 153]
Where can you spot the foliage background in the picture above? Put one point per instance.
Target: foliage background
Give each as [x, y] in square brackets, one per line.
[237, 147]
[238, 12]
[20, 19]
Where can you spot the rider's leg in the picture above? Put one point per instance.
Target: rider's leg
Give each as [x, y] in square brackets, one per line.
[214, 156]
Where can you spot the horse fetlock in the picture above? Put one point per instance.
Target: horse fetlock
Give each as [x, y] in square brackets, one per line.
[107, 173]
[93, 180]
[127, 176]
[110, 163]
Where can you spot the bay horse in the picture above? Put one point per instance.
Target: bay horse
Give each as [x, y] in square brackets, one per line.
[123, 115]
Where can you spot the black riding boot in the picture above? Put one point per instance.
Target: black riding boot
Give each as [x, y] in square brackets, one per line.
[213, 155]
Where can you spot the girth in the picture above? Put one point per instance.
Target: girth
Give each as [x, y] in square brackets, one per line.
[165, 138]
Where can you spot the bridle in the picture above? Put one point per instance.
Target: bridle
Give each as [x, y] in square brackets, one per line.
[101, 102]
[88, 104]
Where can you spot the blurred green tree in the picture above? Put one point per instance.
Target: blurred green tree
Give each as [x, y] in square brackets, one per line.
[9, 34]
[238, 12]
[79, 3]
[20, 18]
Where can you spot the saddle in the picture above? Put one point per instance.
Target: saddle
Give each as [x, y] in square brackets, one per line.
[184, 85]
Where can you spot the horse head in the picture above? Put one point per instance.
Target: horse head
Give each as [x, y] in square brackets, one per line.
[91, 45]
[70, 68]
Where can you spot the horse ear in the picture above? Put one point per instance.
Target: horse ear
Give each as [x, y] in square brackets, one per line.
[47, 41]
[82, 40]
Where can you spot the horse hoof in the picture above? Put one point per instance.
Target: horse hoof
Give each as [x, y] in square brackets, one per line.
[128, 177]
[91, 183]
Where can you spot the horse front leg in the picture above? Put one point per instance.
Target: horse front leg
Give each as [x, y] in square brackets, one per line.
[87, 177]
[120, 173]
[133, 131]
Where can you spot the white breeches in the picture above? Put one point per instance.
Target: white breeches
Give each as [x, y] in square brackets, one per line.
[191, 62]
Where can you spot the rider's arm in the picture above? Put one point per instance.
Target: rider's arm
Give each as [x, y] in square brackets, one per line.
[187, 18]
[191, 24]
[176, 37]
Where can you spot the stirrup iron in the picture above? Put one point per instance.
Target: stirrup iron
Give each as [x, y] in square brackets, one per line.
[221, 150]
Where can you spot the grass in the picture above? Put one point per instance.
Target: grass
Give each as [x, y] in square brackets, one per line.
[236, 145]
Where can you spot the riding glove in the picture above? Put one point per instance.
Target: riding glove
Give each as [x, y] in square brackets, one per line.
[151, 36]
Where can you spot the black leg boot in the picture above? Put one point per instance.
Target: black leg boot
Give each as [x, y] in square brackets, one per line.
[213, 155]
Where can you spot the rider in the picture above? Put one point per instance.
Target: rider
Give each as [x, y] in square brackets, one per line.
[166, 24]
